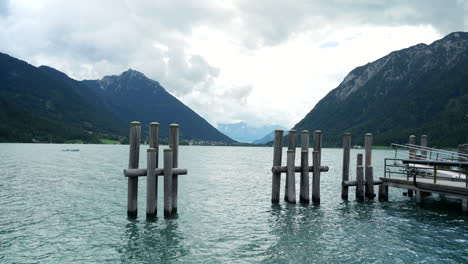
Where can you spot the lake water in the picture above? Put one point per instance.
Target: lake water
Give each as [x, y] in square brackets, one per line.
[70, 207]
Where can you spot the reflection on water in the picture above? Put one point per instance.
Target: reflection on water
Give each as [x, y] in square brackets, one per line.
[151, 242]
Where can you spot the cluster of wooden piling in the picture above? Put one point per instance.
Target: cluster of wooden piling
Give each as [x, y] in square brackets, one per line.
[290, 169]
[170, 171]
[364, 182]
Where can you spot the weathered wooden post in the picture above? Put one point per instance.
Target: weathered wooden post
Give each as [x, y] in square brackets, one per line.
[291, 146]
[369, 175]
[291, 181]
[412, 155]
[174, 145]
[304, 192]
[346, 159]
[134, 156]
[151, 184]
[276, 176]
[423, 144]
[359, 179]
[316, 160]
[168, 182]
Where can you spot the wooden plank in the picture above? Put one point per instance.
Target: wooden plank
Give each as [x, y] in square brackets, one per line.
[151, 185]
[134, 158]
[291, 177]
[174, 145]
[354, 183]
[283, 169]
[304, 193]
[291, 146]
[168, 182]
[369, 174]
[346, 160]
[316, 178]
[154, 139]
[304, 183]
[277, 156]
[360, 183]
[157, 172]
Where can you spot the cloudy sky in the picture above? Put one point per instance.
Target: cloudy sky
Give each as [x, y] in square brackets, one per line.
[259, 61]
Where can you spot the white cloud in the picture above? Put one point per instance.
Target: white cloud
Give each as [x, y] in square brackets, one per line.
[256, 61]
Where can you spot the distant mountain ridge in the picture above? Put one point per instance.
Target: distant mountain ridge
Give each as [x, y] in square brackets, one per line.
[422, 89]
[244, 132]
[43, 104]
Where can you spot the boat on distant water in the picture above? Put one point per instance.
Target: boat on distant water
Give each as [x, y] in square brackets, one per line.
[71, 150]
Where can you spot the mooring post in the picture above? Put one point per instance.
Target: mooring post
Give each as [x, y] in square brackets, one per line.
[359, 179]
[174, 145]
[134, 156]
[383, 192]
[423, 144]
[316, 161]
[369, 176]
[346, 159]
[151, 184]
[168, 182]
[291, 179]
[412, 155]
[291, 146]
[154, 139]
[276, 176]
[304, 193]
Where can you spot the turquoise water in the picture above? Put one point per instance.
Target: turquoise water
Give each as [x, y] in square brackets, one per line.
[70, 207]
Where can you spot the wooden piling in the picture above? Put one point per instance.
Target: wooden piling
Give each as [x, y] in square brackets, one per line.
[346, 159]
[369, 172]
[276, 176]
[154, 139]
[368, 148]
[151, 184]
[291, 179]
[423, 144]
[318, 141]
[383, 192]
[465, 205]
[134, 156]
[316, 178]
[168, 182]
[174, 145]
[412, 155]
[304, 192]
[359, 179]
[291, 146]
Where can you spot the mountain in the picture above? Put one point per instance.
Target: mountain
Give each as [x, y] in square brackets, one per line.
[36, 107]
[243, 132]
[133, 96]
[422, 89]
[269, 137]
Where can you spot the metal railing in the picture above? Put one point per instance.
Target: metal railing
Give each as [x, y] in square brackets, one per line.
[427, 153]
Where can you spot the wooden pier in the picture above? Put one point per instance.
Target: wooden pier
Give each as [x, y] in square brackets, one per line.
[290, 169]
[170, 171]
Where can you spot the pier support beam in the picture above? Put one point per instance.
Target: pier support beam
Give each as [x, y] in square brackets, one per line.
[465, 205]
[291, 181]
[383, 192]
[304, 192]
[174, 145]
[276, 176]
[134, 158]
[316, 161]
[412, 155]
[291, 146]
[346, 159]
[168, 183]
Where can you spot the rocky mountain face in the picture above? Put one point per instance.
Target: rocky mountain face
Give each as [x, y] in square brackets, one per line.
[419, 90]
[36, 107]
[43, 104]
[132, 96]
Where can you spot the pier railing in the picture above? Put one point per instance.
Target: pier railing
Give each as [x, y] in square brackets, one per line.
[429, 169]
[427, 153]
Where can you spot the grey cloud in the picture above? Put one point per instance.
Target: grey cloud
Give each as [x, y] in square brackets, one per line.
[270, 22]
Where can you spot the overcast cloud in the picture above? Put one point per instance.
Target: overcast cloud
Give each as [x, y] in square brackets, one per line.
[257, 61]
